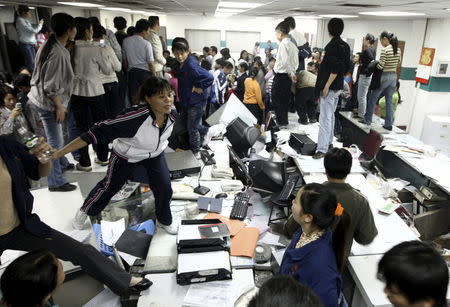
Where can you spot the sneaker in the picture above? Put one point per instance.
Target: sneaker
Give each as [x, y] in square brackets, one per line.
[302, 122]
[318, 155]
[67, 187]
[83, 168]
[79, 220]
[313, 121]
[100, 162]
[69, 167]
[388, 128]
[171, 229]
[197, 155]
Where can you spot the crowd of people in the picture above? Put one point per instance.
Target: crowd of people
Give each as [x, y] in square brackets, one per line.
[84, 84]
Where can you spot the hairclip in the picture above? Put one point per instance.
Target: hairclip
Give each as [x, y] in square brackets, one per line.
[339, 210]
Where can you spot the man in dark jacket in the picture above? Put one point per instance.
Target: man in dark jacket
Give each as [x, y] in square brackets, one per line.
[330, 82]
[338, 163]
[365, 75]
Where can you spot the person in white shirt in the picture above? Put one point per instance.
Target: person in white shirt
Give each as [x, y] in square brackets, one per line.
[138, 57]
[27, 35]
[215, 54]
[297, 38]
[87, 96]
[285, 68]
[157, 47]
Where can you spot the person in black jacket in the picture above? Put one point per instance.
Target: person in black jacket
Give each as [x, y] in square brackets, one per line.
[365, 75]
[330, 82]
[240, 87]
[21, 229]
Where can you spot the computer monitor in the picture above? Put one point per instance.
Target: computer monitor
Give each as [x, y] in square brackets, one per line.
[271, 126]
[241, 136]
[239, 169]
[267, 176]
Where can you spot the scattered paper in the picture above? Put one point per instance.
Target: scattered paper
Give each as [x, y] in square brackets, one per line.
[271, 239]
[130, 259]
[278, 255]
[203, 261]
[111, 231]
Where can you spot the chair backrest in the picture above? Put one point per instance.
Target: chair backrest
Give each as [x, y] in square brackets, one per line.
[372, 144]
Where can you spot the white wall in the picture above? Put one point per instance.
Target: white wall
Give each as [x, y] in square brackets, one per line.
[73, 11]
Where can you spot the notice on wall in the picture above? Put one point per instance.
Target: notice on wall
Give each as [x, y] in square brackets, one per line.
[425, 65]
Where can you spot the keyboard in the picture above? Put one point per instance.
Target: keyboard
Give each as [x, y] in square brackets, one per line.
[288, 187]
[240, 206]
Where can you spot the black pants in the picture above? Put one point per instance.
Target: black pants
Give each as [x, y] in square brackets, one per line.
[84, 108]
[281, 97]
[256, 111]
[304, 104]
[136, 77]
[64, 247]
[113, 101]
[119, 171]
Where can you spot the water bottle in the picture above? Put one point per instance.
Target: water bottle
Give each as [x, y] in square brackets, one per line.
[31, 140]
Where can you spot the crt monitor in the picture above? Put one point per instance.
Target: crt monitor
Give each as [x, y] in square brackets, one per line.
[267, 175]
[239, 168]
[241, 136]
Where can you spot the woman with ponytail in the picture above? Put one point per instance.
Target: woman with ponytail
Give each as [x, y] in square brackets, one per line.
[390, 58]
[315, 256]
[51, 88]
[253, 96]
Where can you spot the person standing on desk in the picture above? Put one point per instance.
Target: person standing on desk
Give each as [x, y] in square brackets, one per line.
[338, 163]
[139, 136]
[20, 229]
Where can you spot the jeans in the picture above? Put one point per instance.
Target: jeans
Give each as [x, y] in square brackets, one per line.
[304, 104]
[119, 171]
[387, 89]
[192, 117]
[281, 97]
[83, 109]
[54, 133]
[29, 54]
[328, 106]
[363, 89]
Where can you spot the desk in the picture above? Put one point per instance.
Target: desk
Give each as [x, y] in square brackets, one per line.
[369, 290]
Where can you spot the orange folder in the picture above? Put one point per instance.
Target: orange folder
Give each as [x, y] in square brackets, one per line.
[244, 243]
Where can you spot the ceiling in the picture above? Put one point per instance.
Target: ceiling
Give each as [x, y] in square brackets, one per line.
[275, 8]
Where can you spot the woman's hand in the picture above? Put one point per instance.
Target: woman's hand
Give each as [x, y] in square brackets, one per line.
[197, 90]
[41, 148]
[61, 112]
[15, 113]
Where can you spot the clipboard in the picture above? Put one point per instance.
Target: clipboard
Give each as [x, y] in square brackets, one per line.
[203, 267]
[189, 239]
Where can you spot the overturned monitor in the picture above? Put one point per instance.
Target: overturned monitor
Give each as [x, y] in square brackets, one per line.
[241, 136]
[239, 169]
[267, 176]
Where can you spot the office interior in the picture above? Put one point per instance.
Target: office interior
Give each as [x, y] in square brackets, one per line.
[405, 177]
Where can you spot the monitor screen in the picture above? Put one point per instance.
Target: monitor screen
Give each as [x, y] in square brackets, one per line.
[239, 168]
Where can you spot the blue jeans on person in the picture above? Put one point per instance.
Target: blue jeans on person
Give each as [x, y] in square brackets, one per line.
[29, 54]
[192, 116]
[386, 89]
[363, 89]
[54, 133]
[328, 106]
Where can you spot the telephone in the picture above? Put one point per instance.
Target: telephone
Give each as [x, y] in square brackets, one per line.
[427, 194]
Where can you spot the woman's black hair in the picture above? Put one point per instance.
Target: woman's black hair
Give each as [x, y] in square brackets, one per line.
[131, 30]
[20, 10]
[120, 22]
[260, 64]
[317, 200]
[29, 279]
[225, 52]
[253, 72]
[22, 80]
[392, 40]
[83, 24]
[152, 86]
[98, 31]
[94, 20]
[284, 291]
[417, 270]
[60, 24]
[290, 21]
[5, 90]
[44, 29]
[283, 27]
[244, 65]
[180, 44]
[206, 65]
[335, 27]
[240, 56]
[370, 38]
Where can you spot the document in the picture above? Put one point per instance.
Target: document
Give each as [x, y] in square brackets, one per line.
[271, 239]
[111, 231]
[195, 262]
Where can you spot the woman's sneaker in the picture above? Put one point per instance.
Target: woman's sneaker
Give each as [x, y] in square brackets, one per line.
[79, 220]
[83, 168]
[100, 162]
[170, 229]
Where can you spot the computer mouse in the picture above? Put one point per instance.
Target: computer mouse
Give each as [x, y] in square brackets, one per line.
[221, 195]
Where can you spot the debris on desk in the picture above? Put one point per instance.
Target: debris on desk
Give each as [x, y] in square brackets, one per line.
[389, 207]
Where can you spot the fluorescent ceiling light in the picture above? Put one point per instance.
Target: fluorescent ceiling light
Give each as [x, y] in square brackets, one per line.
[242, 5]
[2, 5]
[141, 12]
[119, 9]
[308, 17]
[31, 7]
[226, 10]
[81, 4]
[391, 13]
[222, 15]
[338, 16]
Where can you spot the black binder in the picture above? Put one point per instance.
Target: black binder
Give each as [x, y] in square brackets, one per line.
[189, 239]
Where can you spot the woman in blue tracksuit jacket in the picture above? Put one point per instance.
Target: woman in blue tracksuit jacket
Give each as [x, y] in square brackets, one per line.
[310, 257]
[193, 81]
[139, 136]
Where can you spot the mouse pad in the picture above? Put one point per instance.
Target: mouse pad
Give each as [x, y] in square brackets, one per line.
[210, 204]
